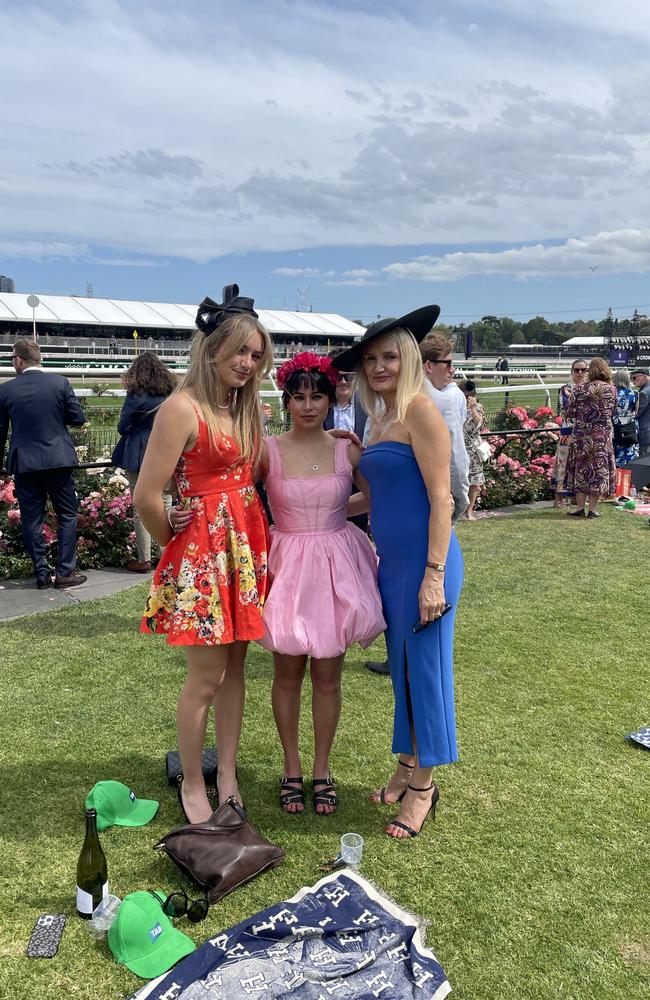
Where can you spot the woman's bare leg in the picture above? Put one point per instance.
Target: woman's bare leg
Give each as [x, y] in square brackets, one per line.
[473, 493]
[228, 717]
[326, 711]
[206, 668]
[285, 701]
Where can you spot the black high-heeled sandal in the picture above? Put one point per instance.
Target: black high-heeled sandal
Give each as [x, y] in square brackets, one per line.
[382, 791]
[577, 513]
[292, 796]
[435, 795]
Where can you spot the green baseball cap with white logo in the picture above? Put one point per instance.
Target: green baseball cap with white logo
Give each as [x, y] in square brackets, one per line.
[118, 805]
[144, 939]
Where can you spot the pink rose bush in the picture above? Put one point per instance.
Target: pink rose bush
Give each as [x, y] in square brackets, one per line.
[520, 468]
[105, 535]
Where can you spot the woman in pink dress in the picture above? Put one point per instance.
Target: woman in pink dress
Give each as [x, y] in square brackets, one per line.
[323, 571]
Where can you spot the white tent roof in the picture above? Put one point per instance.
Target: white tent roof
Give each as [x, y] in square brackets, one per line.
[70, 309]
[584, 342]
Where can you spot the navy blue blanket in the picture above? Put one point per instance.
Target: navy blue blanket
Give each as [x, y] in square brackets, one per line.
[338, 940]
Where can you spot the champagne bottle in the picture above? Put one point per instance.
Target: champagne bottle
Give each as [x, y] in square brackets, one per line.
[92, 876]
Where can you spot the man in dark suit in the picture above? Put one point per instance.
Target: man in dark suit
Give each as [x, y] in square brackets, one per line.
[349, 415]
[39, 405]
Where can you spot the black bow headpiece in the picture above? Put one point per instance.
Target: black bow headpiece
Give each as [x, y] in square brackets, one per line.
[210, 314]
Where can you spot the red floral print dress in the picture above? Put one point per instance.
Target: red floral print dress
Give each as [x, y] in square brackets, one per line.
[210, 584]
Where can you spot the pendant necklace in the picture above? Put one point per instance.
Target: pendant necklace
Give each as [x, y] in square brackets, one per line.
[316, 466]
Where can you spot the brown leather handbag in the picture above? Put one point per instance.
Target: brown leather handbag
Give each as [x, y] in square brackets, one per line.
[224, 852]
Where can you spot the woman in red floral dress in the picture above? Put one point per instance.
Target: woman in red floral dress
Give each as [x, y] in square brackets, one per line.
[208, 590]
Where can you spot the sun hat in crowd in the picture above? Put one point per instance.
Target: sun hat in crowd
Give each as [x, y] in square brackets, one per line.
[419, 322]
[143, 938]
[118, 805]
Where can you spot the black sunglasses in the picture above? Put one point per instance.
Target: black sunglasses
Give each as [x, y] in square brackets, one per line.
[580, 369]
[180, 905]
[448, 363]
[345, 377]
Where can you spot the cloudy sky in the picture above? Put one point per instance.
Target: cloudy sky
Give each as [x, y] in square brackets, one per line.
[358, 156]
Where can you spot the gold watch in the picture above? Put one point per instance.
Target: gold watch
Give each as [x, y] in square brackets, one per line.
[440, 567]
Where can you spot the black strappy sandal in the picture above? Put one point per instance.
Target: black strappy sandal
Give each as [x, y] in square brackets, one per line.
[292, 796]
[326, 796]
[382, 791]
[435, 795]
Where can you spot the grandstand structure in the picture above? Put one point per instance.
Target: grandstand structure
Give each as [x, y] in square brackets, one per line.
[70, 326]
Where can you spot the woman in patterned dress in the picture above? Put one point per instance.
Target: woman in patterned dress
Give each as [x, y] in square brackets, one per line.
[564, 396]
[472, 435]
[626, 430]
[590, 470]
[208, 590]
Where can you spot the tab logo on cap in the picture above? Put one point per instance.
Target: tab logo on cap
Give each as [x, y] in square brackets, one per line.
[132, 795]
[155, 931]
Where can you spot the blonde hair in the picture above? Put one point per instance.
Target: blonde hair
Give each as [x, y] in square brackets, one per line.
[409, 383]
[202, 378]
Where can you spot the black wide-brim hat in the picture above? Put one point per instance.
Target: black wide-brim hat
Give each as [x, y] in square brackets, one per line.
[419, 322]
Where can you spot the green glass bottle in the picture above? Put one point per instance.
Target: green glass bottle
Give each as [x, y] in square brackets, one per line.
[92, 874]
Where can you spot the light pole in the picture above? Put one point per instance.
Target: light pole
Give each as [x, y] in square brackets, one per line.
[33, 301]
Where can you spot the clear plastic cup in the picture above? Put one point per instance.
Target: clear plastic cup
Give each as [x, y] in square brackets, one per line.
[351, 848]
[103, 916]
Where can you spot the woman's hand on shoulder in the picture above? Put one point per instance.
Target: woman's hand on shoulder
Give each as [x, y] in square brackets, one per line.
[350, 435]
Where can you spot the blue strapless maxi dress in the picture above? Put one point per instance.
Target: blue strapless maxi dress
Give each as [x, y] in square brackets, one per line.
[400, 525]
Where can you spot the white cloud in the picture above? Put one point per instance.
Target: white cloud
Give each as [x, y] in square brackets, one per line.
[301, 272]
[622, 252]
[359, 272]
[43, 250]
[272, 129]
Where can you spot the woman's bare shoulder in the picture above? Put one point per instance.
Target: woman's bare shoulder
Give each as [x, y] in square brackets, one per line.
[422, 410]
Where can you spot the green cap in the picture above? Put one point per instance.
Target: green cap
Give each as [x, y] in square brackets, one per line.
[118, 805]
[144, 939]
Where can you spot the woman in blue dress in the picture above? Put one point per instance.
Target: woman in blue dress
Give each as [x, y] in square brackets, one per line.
[405, 472]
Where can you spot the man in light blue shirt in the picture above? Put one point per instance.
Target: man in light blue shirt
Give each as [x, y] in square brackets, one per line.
[438, 364]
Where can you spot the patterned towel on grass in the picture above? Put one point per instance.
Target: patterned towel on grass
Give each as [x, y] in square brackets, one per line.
[341, 939]
[642, 737]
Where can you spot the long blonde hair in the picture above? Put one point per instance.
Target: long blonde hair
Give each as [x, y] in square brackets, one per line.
[409, 383]
[209, 391]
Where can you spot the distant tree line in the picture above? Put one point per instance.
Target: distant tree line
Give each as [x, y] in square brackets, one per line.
[496, 333]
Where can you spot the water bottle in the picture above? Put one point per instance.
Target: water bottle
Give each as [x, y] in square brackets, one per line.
[92, 875]
[633, 493]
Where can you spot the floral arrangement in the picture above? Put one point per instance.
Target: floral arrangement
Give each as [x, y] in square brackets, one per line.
[307, 361]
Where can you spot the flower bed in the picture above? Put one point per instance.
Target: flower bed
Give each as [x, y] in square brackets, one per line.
[519, 471]
[105, 535]
[520, 468]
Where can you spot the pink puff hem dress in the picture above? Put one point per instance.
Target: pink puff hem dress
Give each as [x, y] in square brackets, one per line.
[323, 569]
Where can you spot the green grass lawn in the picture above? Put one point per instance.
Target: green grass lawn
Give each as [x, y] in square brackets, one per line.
[534, 877]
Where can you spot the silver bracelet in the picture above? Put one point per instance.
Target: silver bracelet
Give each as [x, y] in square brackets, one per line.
[168, 512]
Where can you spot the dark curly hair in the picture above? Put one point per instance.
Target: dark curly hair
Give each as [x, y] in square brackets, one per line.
[149, 375]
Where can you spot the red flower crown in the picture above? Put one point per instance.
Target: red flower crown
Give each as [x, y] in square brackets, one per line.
[307, 361]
